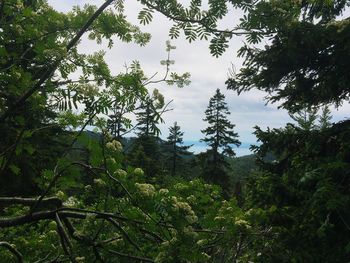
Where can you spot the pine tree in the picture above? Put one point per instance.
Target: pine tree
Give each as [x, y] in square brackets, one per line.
[175, 140]
[219, 135]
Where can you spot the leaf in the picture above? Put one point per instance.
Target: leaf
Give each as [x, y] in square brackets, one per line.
[15, 169]
[145, 16]
[29, 148]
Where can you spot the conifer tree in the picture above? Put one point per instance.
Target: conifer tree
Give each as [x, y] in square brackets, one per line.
[116, 121]
[325, 118]
[305, 118]
[175, 140]
[219, 135]
[145, 152]
[149, 115]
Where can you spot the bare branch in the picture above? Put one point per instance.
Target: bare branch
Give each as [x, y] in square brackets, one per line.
[66, 244]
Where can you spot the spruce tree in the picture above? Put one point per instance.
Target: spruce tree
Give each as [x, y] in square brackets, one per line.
[219, 135]
[175, 140]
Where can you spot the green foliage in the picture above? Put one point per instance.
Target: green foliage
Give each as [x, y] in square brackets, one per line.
[176, 149]
[116, 212]
[220, 137]
[307, 60]
[86, 202]
[304, 192]
[219, 133]
[149, 114]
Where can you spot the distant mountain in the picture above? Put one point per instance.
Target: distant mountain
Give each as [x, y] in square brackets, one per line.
[199, 147]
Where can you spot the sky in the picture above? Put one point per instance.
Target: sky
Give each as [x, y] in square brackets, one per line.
[207, 74]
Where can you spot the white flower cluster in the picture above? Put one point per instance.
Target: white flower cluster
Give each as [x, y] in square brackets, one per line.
[61, 195]
[185, 207]
[202, 242]
[192, 199]
[139, 172]
[71, 202]
[99, 182]
[80, 259]
[242, 223]
[114, 146]
[146, 190]
[172, 241]
[120, 173]
[163, 191]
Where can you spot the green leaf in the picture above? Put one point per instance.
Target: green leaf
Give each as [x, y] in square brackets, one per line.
[15, 169]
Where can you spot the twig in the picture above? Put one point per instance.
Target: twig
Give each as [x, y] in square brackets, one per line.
[124, 233]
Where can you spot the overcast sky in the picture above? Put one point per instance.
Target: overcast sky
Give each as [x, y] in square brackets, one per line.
[207, 74]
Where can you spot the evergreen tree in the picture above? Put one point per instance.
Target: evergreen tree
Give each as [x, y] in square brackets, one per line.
[219, 135]
[149, 115]
[145, 152]
[325, 118]
[116, 122]
[306, 118]
[175, 140]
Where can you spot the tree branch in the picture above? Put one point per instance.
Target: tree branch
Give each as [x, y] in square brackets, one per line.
[6, 201]
[50, 71]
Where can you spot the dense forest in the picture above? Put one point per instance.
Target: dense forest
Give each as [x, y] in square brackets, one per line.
[85, 176]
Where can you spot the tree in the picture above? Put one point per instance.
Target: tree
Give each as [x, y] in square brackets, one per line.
[305, 118]
[306, 61]
[325, 118]
[304, 64]
[149, 115]
[39, 57]
[127, 91]
[220, 137]
[177, 150]
[300, 201]
[304, 192]
[145, 152]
